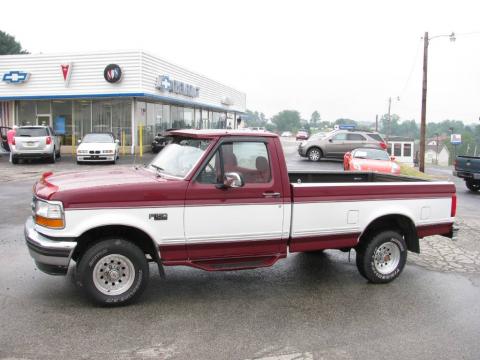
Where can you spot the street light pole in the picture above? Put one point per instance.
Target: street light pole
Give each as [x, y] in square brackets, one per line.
[389, 119]
[423, 121]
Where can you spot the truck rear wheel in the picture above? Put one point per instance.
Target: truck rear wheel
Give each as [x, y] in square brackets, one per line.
[382, 258]
[472, 185]
[113, 272]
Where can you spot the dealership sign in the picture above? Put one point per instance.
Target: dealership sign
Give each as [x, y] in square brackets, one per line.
[164, 83]
[66, 72]
[15, 77]
[456, 139]
[112, 73]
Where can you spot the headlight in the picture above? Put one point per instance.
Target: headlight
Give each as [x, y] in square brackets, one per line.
[82, 151]
[48, 213]
[107, 151]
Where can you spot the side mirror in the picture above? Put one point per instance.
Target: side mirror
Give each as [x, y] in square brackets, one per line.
[348, 154]
[330, 140]
[79, 141]
[231, 180]
[393, 158]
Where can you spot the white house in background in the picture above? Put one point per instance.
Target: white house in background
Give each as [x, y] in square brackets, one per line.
[440, 158]
[402, 148]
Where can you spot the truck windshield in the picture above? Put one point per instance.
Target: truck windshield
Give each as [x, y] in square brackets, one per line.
[179, 157]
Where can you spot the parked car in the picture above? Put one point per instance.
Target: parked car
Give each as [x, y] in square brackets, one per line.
[468, 168]
[258, 128]
[159, 142]
[287, 134]
[337, 143]
[98, 147]
[224, 200]
[367, 159]
[4, 147]
[35, 142]
[302, 135]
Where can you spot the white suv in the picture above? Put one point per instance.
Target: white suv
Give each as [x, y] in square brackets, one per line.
[35, 142]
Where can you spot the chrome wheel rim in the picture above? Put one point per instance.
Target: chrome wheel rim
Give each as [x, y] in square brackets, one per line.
[113, 274]
[314, 155]
[386, 258]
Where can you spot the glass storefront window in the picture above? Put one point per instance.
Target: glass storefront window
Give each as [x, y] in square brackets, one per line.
[198, 118]
[188, 115]
[43, 107]
[26, 114]
[62, 120]
[177, 117]
[82, 115]
[122, 121]
[205, 123]
[166, 116]
[102, 116]
[149, 128]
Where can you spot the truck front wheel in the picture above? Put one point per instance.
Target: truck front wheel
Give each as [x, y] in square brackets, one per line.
[472, 185]
[113, 272]
[383, 257]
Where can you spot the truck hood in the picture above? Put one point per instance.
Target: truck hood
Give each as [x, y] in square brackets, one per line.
[120, 187]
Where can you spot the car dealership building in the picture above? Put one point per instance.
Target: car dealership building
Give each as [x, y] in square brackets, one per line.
[132, 94]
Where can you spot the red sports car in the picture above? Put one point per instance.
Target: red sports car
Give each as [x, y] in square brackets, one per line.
[365, 159]
[302, 135]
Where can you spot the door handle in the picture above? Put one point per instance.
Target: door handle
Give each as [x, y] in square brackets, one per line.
[271, 194]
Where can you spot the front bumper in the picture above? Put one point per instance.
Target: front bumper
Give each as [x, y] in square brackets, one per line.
[51, 256]
[96, 158]
[302, 151]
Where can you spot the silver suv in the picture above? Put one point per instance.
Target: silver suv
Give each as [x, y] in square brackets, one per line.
[336, 143]
[35, 142]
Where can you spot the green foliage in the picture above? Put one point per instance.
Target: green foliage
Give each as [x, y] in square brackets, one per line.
[287, 120]
[9, 46]
[255, 118]
[342, 121]
[315, 119]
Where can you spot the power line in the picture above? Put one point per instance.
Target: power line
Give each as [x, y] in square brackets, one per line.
[411, 68]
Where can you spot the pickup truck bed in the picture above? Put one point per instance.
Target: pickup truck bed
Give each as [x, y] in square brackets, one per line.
[224, 200]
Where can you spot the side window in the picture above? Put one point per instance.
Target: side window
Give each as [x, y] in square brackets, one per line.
[341, 136]
[397, 149]
[407, 150]
[249, 159]
[355, 137]
[211, 173]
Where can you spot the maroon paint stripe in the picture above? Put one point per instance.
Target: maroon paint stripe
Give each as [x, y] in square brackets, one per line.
[126, 204]
[311, 243]
[310, 199]
[434, 229]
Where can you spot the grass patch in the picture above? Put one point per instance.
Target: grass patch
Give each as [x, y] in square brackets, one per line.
[411, 171]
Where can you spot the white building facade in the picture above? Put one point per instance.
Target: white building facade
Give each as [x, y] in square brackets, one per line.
[402, 149]
[132, 94]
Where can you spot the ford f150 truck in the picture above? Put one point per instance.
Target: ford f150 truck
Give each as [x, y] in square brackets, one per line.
[224, 200]
[468, 168]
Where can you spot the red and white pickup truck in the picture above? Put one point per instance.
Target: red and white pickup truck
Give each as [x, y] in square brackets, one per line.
[224, 200]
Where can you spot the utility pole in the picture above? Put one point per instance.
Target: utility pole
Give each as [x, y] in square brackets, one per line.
[436, 142]
[376, 123]
[423, 121]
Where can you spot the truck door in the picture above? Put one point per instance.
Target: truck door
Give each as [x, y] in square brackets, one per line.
[245, 221]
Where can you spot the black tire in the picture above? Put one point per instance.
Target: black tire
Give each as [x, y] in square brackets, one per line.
[53, 158]
[14, 160]
[113, 250]
[473, 186]
[314, 154]
[59, 155]
[79, 162]
[382, 258]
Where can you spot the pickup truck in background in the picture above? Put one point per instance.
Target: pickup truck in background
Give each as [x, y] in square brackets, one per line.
[224, 200]
[468, 168]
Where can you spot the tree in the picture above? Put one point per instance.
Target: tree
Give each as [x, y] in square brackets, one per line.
[315, 119]
[9, 46]
[254, 118]
[342, 121]
[287, 120]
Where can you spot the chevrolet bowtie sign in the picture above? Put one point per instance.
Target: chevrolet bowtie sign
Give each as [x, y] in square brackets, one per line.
[15, 77]
[164, 83]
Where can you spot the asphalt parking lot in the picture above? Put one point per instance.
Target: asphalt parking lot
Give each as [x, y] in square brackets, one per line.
[308, 306]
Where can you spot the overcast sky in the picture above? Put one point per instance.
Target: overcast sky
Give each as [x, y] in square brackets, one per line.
[342, 58]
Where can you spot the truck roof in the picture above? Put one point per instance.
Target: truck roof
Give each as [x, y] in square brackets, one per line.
[209, 133]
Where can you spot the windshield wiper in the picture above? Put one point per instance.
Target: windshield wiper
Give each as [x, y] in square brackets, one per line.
[158, 168]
